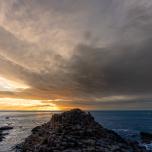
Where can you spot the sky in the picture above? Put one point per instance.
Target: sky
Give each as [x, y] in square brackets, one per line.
[63, 54]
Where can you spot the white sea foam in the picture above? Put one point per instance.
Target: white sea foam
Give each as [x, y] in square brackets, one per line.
[148, 146]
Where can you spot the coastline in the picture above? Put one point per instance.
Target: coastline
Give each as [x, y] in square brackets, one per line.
[76, 131]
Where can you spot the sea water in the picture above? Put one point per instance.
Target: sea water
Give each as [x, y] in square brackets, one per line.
[126, 123]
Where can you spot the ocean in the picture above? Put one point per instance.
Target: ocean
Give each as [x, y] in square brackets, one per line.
[128, 124]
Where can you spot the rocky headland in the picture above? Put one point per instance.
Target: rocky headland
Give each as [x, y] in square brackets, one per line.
[76, 131]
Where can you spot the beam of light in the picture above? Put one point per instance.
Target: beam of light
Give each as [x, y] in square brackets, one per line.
[8, 85]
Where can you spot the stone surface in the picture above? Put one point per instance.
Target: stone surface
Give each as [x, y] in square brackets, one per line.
[75, 131]
[146, 137]
[1, 136]
[6, 128]
[2, 129]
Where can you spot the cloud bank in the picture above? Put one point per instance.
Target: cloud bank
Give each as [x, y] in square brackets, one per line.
[78, 51]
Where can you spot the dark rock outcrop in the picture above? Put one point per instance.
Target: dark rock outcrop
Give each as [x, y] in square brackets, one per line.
[6, 128]
[2, 129]
[1, 136]
[75, 131]
[146, 137]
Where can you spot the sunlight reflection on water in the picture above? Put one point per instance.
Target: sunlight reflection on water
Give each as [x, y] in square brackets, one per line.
[22, 123]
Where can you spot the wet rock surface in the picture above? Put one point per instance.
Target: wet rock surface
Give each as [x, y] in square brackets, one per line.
[146, 137]
[75, 131]
[1, 136]
[6, 128]
[2, 131]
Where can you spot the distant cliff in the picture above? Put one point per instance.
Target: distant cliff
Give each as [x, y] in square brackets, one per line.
[76, 131]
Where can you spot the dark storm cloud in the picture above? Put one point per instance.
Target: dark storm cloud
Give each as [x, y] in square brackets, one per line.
[78, 49]
[121, 68]
[114, 70]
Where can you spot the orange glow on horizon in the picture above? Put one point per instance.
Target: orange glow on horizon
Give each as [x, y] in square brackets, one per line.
[26, 104]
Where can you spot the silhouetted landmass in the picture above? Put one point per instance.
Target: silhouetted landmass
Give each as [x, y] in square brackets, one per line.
[76, 131]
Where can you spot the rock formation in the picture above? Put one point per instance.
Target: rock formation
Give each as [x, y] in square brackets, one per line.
[2, 129]
[76, 131]
[146, 137]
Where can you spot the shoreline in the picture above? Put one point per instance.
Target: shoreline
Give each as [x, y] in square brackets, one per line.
[53, 136]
